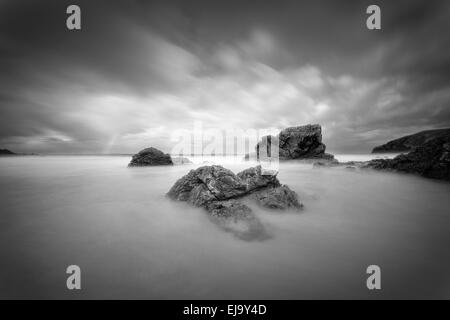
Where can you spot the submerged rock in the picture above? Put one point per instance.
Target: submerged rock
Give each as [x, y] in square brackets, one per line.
[150, 157]
[408, 143]
[237, 218]
[181, 160]
[302, 142]
[250, 156]
[226, 196]
[280, 197]
[336, 163]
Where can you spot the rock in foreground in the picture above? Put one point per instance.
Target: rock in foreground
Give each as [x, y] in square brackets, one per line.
[408, 143]
[150, 157]
[226, 197]
[303, 142]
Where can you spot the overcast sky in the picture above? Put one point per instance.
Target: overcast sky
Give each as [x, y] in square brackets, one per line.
[140, 69]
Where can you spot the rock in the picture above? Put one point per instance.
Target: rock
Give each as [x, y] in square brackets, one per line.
[150, 157]
[180, 160]
[280, 197]
[230, 209]
[181, 190]
[6, 152]
[331, 163]
[336, 163]
[408, 143]
[250, 156]
[221, 182]
[254, 179]
[206, 184]
[431, 160]
[224, 194]
[303, 142]
[237, 218]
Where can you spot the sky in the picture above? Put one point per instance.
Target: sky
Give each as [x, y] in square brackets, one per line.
[138, 71]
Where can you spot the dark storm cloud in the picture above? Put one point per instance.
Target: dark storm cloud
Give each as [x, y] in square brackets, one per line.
[140, 69]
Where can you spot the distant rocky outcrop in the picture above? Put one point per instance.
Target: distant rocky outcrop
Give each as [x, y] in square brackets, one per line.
[226, 196]
[150, 157]
[6, 152]
[407, 143]
[302, 142]
[335, 163]
[181, 160]
[249, 156]
[431, 160]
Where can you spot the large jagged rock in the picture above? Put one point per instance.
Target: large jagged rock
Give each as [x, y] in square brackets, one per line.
[431, 160]
[302, 142]
[408, 143]
[225, 196]
[206, 184]
[150, 157]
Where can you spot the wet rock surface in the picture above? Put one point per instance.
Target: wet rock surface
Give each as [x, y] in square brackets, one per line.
[150, 157]
[227, 197]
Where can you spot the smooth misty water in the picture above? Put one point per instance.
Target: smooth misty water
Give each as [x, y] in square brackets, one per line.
[131, 242]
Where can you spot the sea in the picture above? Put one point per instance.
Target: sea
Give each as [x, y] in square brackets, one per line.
[131, 242]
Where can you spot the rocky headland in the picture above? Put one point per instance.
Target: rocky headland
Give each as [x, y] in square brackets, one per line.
[431, 159]
[409, 142]
[227, 197]
[6, 152]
